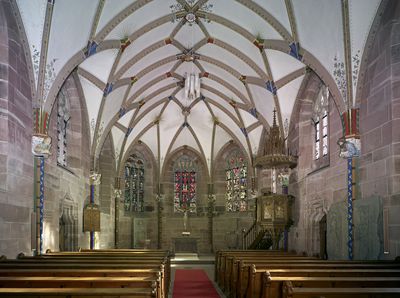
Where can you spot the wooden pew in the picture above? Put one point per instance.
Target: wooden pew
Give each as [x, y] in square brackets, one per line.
[115, 261]
[273, 287]
[221, 256]
[152, 272]
[83, 282]
[91, 263]
[232, 266]
[223, 259]
[289, 291]
[76, 292]
[252, 279]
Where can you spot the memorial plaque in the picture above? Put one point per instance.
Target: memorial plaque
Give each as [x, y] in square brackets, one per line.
[91, 218]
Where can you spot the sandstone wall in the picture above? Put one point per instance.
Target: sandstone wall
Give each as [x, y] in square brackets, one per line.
[16, 159]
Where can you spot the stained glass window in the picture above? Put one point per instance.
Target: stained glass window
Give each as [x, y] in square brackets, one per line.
[134, 185]
[63, 117]
[236, 183]
[185, 185]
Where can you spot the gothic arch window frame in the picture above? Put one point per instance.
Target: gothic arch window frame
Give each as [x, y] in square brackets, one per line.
[236, 175]
[63, 120]
[134, 184]
[320, 118]
[185, 173]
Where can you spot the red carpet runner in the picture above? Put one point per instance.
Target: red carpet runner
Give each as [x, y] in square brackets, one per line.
[193, 283]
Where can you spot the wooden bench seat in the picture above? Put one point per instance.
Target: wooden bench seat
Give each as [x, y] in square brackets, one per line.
[90, 269]
[228, 261]
[232, 266]
[80, 273]
[221, 256]
[289, 291]
[274, 285]
[77, 292]
[250, 274]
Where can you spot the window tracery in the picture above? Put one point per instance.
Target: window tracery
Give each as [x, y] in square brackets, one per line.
[134, 185]
[321, 122]
[236, 182]
[185, 173]
[63, 118]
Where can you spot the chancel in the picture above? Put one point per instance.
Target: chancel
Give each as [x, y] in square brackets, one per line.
[243, 148]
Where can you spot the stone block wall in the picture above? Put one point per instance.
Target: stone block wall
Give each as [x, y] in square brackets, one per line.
[315, 188]
[106, 195]
[16, 159]
[379, 166]
[67, 187]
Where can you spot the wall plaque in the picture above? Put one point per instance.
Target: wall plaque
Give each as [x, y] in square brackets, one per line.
[91, 218]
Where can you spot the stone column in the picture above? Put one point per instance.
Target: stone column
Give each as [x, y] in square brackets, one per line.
[94, 181]
[159, 199]
[210, 214]
[350, 148]
[117, 197]
[41, 145]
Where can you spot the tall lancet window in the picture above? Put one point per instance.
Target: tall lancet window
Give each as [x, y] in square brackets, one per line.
[321, 122]
[63, 118]
[236, 182]
[185, 174]
[134, 185]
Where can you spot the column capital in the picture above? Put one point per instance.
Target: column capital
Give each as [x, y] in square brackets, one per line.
[41, 145]
[95, 178]
[117, 193]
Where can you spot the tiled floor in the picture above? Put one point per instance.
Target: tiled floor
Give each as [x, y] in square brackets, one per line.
[193, 261]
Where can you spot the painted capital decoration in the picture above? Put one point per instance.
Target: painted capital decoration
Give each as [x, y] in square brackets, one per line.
[118, 193]
[95, 178]
[349, 147]
[41, 145]
[212, 198]
[350, 143]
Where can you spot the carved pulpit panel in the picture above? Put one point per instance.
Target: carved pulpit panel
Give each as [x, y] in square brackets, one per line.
[273, 210]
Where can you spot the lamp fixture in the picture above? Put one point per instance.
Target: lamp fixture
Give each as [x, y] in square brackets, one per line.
[192, 86]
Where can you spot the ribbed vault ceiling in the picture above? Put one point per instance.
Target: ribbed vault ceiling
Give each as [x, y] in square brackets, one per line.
[131, 60]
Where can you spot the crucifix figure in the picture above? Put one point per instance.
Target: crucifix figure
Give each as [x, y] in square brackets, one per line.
[184, 209]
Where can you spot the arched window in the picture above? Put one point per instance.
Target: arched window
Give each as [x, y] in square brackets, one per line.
[134, 184]
[63, 117]
[320, 118]
[236, 182]
[185, 173]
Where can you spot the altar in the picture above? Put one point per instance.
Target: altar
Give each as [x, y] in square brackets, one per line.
[185, 244]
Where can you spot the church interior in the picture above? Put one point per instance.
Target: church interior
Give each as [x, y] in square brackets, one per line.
[199, 132]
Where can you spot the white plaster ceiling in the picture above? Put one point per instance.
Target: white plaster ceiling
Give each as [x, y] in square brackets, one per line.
[145, 101]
